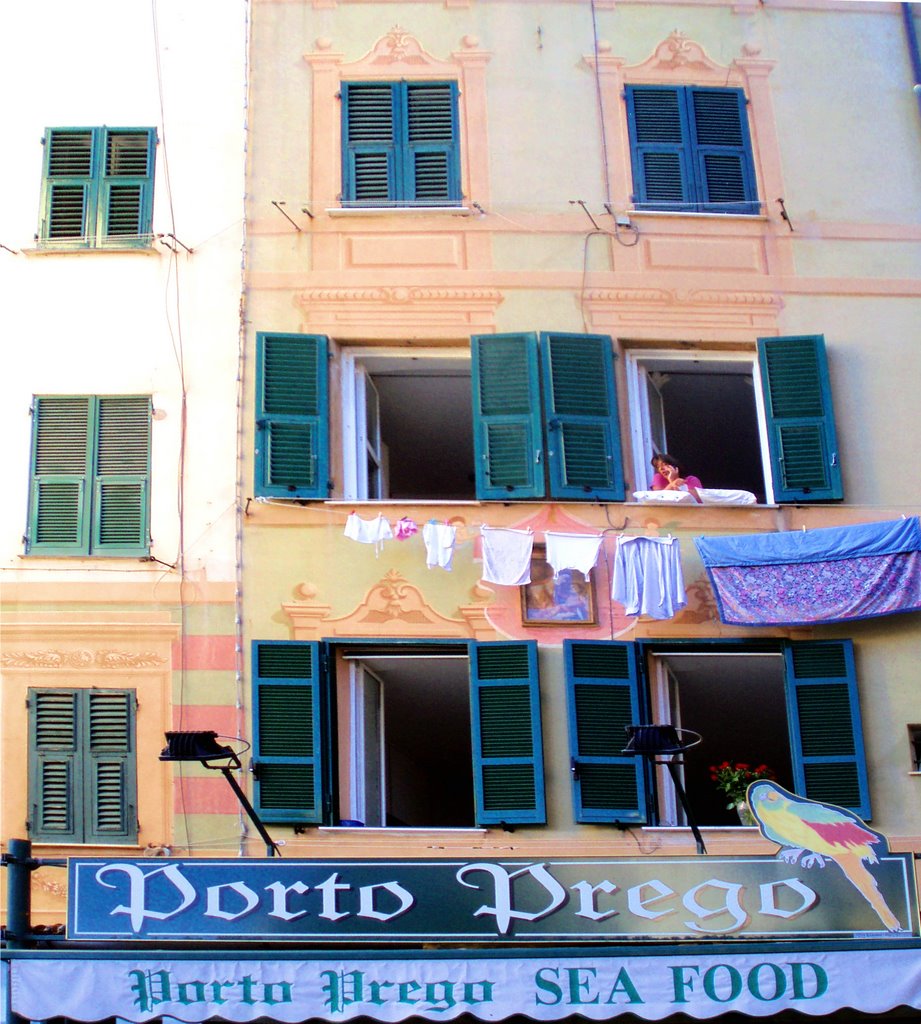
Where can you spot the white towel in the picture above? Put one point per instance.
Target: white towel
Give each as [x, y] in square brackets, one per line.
[368, 531]
[572, 551]
[439, 544]
[507, 555]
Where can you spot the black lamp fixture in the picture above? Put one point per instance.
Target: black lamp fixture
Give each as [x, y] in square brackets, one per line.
[202, 746]
[654, 741]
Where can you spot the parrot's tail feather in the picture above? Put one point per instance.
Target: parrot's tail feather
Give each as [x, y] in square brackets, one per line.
[860, 877]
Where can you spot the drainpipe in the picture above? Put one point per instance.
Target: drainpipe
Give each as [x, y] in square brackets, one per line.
[914, 55]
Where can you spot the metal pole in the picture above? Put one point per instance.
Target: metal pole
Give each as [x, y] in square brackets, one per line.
[682, 796]
[19, 864]
[271, 850]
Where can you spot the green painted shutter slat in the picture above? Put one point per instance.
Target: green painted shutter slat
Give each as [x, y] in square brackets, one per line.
[121, 497]
[657, 121]
[110, 788]
[369, 143]
[62, 444]
[825, 724]
[603, 699]
[82, 772]
[507, 418]
[292, 431]
[506, 730]
[430, 117]
[583, 431]
[98, 186]
[69, 187]
[800, 419]
[719, 133]
[287, 747]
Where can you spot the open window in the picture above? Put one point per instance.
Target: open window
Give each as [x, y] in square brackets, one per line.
[432, 734]
[792, 705]
[407, 424]
[759, 421]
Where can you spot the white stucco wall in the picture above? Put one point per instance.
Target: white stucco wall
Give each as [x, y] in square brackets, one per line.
[96, 323]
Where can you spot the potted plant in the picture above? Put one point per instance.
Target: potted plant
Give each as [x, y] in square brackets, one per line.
[733, 778]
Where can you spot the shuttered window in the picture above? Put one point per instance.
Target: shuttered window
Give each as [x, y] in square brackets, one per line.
[400, 144]
[800, 419]
[82, 772]
[90, 475]
[603, 699]
[292, 415]
[545, 417]
[691, 150]
[825, 724]
[97, 187]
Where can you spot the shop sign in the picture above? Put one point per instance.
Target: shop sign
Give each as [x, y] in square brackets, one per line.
[694, 982]
[563, 900]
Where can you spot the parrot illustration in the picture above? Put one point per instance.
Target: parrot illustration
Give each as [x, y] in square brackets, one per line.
[821, 832]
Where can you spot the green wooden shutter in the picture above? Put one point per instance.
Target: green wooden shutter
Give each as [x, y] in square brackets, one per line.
[287, 740]
[583, 430]
[126, 191]
[603, 699]
[800, 419]
[110, 780]
[69, 187]
[725, 176]
[292, 428]
[506, 415]
[430, 151]
[63, 438]
[825, 726]
[508, 762]
[662, 170]
[369, 118]
[121, 495]
[55, 782]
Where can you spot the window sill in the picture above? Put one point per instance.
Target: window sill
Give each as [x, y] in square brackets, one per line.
[86, 250]
[402, 830]
[696, 215]
[399, 211]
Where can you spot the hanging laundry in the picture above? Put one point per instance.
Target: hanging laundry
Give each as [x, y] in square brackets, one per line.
[507, 555]
[368, 531]
[572, 551]
[439, 541]
[648, 579]
[831, 574]
[404, 528]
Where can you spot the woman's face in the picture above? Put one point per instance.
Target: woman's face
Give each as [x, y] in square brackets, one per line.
[666, 469]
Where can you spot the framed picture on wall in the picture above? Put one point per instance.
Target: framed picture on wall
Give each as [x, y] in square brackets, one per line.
[546, 601]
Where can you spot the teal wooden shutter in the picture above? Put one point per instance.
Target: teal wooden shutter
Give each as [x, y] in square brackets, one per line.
[506, 417]
[431, 154]
[121, 495]
[59, 502]
[292, 428]
[69, 186]
[583, 430]
[369, 119]
[287, 741]
[126, 190]
[825, 726]
[55, 782]
[603, 699]
[800, 419]
[725, 174]
[508, 763]
[662, 170]
[110, 781]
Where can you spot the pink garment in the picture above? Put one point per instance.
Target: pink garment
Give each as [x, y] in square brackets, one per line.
[659, 483]
[404, 528]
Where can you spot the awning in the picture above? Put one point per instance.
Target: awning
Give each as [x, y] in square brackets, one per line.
[700, 981]
[832, 574]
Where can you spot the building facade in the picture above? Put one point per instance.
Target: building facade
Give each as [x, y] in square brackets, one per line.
[498, 256]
